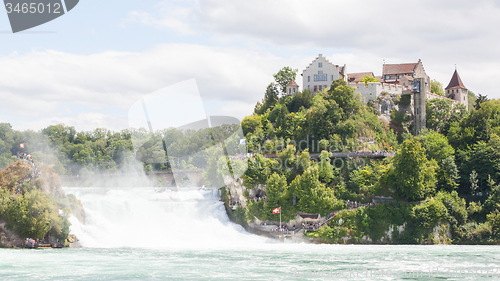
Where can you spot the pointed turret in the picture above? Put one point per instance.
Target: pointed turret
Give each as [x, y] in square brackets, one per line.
[457, 91]
[456, 82]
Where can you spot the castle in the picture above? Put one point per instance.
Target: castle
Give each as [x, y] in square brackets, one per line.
[396, 80]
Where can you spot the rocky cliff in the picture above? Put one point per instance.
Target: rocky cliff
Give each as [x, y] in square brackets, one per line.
[8, 239]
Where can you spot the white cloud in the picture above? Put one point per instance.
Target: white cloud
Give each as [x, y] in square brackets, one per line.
[83, 122]
[171, 15]
[166, 22]
[441, 33]
[38, 84]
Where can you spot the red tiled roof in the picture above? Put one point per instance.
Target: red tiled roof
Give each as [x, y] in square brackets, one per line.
[401, 68]
[356, 77]
[455, 82]
[292, 83]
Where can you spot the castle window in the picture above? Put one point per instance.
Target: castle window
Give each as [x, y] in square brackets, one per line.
[320, 87]
[308, 78]
[332, 77]
[320, 76]
[320, 64]
[315, 88]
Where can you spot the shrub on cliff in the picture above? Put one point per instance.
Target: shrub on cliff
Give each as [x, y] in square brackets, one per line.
[26, 209]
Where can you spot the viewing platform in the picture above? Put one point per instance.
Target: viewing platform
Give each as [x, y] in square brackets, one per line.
[373, 155]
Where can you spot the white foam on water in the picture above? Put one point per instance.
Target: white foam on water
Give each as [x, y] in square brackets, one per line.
[143, 218]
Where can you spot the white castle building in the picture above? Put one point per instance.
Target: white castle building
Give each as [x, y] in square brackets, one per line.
[320, 74]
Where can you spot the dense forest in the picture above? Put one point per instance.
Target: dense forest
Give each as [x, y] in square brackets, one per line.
[71, 152]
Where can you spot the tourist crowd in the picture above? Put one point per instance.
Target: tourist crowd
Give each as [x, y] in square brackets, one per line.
[257, 199]
[31, 243]
[373, 152]
[355, 205]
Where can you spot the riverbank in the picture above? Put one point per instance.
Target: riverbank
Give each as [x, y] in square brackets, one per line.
[439, 220]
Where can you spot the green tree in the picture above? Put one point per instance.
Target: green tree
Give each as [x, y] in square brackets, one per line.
[270, 99]
[368, 78]
[250, 123]
[437, 88]
[472, 99]
[400, 123]
[312, 195]
[412, 176]
[492, 204]
[474, 187]
[325, 167]
[479, 125]
[276, 190]
[480, 99]
[344, 96]
[279, 116]
[484, 158]
[323, 116]
[436, 146]
[440, 113]
[284, 76]
[7, 136]
[447, 174]
[304, 160]
[300, 100]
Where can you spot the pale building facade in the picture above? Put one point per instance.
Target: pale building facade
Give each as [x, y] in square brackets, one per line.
[320, 74]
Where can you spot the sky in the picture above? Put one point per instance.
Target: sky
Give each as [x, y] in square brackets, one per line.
[89, 67]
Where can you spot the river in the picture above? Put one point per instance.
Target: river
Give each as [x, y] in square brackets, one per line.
[142, 234]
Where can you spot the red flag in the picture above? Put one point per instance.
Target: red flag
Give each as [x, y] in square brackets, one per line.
[21, 145]
[277, 210]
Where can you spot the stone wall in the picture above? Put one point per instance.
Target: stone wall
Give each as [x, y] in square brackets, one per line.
[372, 90]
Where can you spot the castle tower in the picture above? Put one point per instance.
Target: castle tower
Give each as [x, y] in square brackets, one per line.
[457, 91]
[422, 87]
[292, 88]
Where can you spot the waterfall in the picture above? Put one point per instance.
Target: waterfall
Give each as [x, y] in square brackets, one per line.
[145, 218]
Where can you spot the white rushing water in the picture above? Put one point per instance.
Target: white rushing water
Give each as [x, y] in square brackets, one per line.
[145, 218]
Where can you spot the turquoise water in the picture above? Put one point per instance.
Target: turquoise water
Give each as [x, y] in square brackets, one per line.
[140, 234]
[278, 262]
